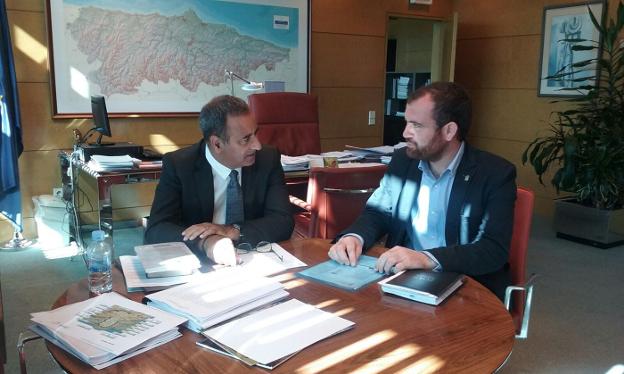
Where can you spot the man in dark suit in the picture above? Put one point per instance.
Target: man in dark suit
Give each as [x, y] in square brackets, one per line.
[198, 198]
[443, 204]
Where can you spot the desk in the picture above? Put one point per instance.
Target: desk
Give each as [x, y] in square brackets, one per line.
[471, 332]
[105, 181]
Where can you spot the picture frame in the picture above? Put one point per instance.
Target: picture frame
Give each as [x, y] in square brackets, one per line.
[163, 58]
[561, 23]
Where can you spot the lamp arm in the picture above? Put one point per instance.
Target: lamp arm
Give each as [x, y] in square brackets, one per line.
[233, 74]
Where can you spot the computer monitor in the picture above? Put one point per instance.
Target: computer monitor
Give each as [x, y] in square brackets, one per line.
[100, 119]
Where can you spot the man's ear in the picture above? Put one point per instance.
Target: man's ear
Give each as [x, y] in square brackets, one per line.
[450, 131]
[215, 143]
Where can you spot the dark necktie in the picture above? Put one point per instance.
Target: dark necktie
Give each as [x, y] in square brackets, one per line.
[234, 200]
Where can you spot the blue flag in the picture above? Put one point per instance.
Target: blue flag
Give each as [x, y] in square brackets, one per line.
[11, 137]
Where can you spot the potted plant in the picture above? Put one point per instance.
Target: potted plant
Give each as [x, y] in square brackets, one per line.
[585, 143]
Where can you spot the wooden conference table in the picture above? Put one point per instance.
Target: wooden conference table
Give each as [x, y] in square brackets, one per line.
[471, 332]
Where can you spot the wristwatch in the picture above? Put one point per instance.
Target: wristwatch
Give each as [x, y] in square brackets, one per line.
[240, 233]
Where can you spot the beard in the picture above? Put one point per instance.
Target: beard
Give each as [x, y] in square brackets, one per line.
[431, 151]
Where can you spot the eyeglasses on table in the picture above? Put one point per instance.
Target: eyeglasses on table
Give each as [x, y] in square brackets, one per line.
[261, 247]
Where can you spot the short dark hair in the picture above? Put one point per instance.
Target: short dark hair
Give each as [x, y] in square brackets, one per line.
[452, 104]
[213, 116]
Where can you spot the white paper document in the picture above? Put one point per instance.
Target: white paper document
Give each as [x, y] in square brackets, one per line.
[217, 296]
[136, 280]
[279, 331]
[105, 327]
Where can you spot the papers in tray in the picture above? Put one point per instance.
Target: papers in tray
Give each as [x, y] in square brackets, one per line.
[106, 329]
[269, 336]
[344, 276]
[136, 280]
[111, 163]
[218, 296]
[294, 163]
[167, 259]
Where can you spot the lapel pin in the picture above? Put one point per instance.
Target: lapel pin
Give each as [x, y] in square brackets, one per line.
[466, 178]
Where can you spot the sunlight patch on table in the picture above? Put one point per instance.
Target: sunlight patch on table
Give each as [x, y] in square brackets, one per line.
[429, 364]
[351, 350]
[294, 284]
[389, 359]
[326, 303]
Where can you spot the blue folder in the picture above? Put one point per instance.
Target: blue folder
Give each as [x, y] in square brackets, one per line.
[347, 277]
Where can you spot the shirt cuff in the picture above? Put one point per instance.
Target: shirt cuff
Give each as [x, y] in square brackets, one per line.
[438, 267]
[361, 239]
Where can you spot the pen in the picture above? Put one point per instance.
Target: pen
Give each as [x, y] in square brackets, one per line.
[392, 270]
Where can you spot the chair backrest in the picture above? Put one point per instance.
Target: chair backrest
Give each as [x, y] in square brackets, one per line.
[523, 215]
[288, 121]
[338, 195]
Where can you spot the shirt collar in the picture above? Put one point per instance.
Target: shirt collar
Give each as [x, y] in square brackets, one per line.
[452, 166]
[217, 167]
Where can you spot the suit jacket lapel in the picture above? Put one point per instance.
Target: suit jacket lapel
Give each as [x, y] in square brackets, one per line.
[455, 213]
[204, 183]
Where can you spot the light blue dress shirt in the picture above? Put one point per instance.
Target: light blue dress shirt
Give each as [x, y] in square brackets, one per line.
[428, 216]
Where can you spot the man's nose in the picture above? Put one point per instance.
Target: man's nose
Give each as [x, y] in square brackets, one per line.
[407, 133]
[255, 143]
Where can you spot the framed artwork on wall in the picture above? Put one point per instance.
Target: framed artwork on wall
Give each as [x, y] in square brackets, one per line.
[163, 58]
[563, 27]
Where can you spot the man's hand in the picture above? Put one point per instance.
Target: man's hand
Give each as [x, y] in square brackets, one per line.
[402, 258]
[205, 229]
[346, 251]
[221, 250]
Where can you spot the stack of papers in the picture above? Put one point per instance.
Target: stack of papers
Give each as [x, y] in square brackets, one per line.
[106, 329]
[137, 280]
[218, 296]
[294, 163]
[112, 163]
[270, 336]
[167, 259]
[380, 150]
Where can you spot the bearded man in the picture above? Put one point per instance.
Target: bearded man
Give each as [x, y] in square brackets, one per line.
[443, 204]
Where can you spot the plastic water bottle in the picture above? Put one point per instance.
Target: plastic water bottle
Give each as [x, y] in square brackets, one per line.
[99, 260]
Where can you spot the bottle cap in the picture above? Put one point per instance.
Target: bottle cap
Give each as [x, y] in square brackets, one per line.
[98, 235]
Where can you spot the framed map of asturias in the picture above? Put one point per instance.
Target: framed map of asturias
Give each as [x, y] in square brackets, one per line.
[169, 57]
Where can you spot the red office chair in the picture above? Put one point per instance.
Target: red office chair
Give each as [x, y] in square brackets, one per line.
[288, 121]
[336, 197]
[520, 308]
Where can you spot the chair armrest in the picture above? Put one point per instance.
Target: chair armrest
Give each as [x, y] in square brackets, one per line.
[24, 337]
[300, 203]
[528, 287]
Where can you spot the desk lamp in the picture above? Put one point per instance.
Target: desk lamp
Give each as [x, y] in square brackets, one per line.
[247, 85]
